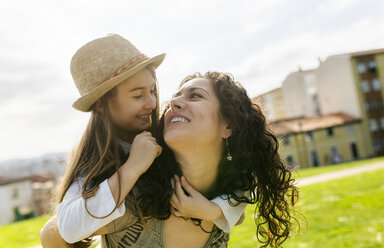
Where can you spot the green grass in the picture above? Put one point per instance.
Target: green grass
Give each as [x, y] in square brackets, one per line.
[346, 209]
[22, 233]
[345, 213]
[329, 168]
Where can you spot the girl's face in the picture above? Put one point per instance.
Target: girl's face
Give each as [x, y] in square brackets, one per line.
[133, 102]
[194, 116]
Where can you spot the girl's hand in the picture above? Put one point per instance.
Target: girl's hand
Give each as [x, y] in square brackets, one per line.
[144, 150]
[193, 204]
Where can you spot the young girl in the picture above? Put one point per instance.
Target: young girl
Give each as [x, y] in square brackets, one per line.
[117, 83]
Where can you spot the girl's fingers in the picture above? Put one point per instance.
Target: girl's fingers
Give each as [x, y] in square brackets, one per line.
[178, 189]
[173, 184]
[186, 186]
[176, 212]
[174, 201]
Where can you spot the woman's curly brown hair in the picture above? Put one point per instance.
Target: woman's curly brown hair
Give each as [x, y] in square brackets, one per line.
[256, 167]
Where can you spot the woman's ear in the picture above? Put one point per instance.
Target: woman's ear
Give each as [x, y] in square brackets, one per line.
[227, 132]
[99, 106]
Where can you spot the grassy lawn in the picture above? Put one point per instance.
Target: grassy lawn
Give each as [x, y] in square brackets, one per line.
[346, 213]
[23, 233]
[329, 168]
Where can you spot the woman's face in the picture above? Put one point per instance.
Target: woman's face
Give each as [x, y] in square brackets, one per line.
[134, 101]
[194, 117]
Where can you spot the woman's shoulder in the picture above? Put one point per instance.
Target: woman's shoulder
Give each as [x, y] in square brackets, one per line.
[218, 239]
[131, 214]
[137, 232]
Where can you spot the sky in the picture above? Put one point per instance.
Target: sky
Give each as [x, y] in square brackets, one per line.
[258, 42]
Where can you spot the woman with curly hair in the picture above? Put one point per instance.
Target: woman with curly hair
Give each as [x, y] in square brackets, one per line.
[218, 140]
[215, 143]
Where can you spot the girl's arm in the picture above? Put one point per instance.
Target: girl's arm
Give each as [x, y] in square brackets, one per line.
[51, 238]
[195, 205]
[144, 150]
[75, 222]
[231, 215]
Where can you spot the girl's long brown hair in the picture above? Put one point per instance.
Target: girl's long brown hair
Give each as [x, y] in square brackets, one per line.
[97, 156]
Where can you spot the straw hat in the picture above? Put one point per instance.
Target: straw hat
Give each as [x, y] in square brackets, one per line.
[102, 64]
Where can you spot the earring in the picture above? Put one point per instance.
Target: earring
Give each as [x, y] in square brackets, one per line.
[229, 156]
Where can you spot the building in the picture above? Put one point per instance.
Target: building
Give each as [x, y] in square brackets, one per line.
[335, 86]
[320, 140]
[352, 83]
[368, 74]
[296, 98]
[25, 197]
[16, 198]
[300, 94]
[272, 103]
[26, 186]
[348, 83]
[42, 189]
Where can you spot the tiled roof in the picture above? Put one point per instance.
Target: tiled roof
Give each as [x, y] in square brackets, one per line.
[297, 125]
[7, 180]
[368, 52]
[266, 93]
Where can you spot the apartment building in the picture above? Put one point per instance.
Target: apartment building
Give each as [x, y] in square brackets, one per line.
[350, 84]
[368, 74]
[273, 105]
[300, 94]
[320, 140]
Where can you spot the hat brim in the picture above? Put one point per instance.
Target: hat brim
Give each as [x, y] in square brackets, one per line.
[85, 102]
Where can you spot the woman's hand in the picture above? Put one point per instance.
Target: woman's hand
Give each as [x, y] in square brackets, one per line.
[144, 150]
[192, 204]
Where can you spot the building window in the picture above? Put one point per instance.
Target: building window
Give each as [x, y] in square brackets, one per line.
[365, 87]
[354, 151]
[314, 159]
[286, 140]
[377, 145]
[330, 132]
[333, 150]
[350, 128]
[373, 125]
[376, 84]
[382, 122]
[372, 65]
[15, 193]
[361, 67]
[309, 136]
[367, 105]
[374, 104]
[378, 104]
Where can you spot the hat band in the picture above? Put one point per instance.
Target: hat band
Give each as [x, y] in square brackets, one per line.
[132, 62]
